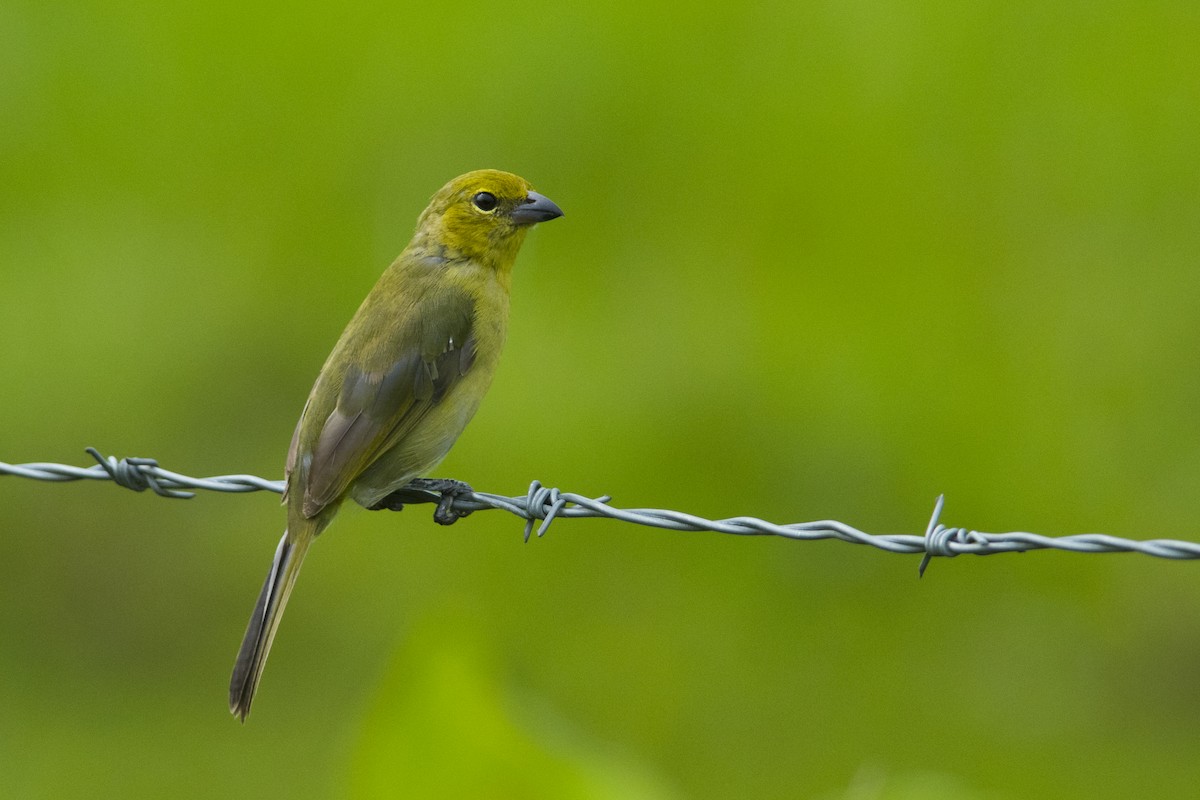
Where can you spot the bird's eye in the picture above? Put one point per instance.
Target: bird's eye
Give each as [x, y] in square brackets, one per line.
[485, 201]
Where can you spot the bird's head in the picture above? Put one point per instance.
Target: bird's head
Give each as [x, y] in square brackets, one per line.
[484, 216]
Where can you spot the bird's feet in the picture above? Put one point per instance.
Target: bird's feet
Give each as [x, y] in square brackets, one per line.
[442, 491]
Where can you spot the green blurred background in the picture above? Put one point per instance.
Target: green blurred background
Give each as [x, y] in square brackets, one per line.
[820, 260]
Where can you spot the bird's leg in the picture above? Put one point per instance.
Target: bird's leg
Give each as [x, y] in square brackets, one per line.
[442, 491]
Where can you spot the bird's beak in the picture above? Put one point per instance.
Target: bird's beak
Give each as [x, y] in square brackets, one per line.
[535, 208]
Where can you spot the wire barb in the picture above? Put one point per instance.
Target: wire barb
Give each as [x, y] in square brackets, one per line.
[136, 474]
[548, 504]
[939, 539]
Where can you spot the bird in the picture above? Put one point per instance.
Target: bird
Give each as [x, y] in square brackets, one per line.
[401, 384]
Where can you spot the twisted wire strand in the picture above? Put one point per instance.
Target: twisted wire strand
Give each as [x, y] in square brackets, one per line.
[546, 504]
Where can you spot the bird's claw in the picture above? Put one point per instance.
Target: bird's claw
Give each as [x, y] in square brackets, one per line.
[445, 514]
[450, 490]
[443, 491]
[393, 502]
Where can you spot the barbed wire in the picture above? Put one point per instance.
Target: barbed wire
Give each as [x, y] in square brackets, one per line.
[545, 504]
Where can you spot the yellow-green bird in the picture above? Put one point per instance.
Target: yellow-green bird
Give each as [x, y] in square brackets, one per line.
[402, 382]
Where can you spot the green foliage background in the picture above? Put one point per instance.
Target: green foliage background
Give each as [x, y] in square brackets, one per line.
[819, 261]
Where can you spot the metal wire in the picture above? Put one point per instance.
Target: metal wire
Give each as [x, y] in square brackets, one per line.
[547, 504]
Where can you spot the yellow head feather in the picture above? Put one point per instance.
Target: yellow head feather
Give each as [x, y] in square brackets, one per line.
[472, 217]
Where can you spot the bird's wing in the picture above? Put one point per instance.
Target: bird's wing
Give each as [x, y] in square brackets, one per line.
[386, 389]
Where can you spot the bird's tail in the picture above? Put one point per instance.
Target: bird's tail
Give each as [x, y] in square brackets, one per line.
[265, 621]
